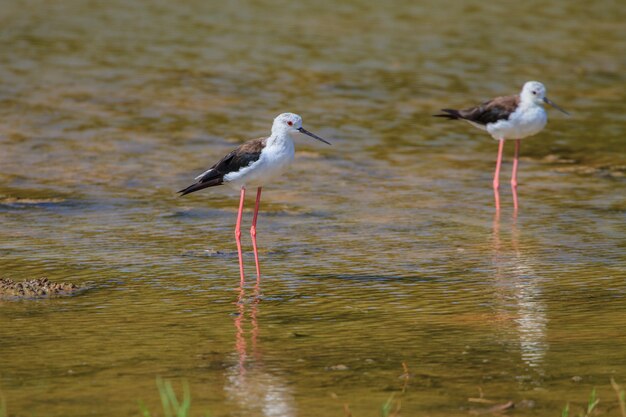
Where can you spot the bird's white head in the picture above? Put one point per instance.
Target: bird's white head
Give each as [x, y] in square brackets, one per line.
[286, 123]
[534, 92]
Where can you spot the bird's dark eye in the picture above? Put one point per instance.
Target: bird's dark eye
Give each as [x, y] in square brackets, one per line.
[290, 123]
[534, 92]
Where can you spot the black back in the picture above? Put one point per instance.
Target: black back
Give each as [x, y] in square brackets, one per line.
[236, 160]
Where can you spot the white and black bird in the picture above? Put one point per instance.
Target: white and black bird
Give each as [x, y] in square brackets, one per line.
[510, 117]
[254, 163]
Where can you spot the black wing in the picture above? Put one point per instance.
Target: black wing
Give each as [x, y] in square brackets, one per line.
[491, 111]
[236, 160]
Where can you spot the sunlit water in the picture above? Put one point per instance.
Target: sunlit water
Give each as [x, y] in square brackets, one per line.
[381, 249]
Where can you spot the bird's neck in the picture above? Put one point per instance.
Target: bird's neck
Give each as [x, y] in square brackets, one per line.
[279, 138]
[527, 102]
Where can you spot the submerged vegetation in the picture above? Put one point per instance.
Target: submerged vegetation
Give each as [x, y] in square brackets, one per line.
[591, 409]
[591, 406]
[170, 403]
[173, 406]
[392, 407]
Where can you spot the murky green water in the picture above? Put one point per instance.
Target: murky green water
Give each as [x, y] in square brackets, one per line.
[379, 250]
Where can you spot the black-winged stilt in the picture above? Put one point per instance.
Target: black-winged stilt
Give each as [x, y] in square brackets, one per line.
[511, 117]
[254, 163]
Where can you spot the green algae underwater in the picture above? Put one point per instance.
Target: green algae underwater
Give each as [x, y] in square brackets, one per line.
[380, 250]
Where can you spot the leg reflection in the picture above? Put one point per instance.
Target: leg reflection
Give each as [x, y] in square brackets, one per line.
[519, 298]
[250, 385]
[240, 338]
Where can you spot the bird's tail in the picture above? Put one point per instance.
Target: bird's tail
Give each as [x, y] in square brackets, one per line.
[201, 186]
[450, 114]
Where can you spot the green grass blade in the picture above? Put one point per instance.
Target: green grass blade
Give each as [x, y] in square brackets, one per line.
[172, 407]
[593, 402]
[386, 407]
[621, 396]
[165, 401]
[183, 410]
[144, 410]
[171, 395]
[592, 399]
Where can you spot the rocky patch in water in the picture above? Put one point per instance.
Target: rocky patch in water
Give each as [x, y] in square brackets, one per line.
[35, 288]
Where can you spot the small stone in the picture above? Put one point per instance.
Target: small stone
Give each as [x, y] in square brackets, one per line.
[339, 367]
[577, 378]
[525, 404]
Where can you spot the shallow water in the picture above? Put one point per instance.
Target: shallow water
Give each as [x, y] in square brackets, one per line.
[379, 250]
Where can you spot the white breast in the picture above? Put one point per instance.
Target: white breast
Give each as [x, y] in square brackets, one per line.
[523, 122]
[275, 158]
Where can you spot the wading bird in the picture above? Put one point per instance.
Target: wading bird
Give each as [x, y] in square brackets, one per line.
[254, 163]
[511, 117]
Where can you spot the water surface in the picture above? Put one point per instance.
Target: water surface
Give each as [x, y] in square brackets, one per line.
[379, 250]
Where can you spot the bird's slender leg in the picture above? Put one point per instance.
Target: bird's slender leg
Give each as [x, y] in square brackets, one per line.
[238, 233]
[496, 176]
[253, 234]
[514, 174]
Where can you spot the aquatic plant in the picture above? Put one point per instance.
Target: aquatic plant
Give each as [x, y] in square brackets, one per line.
[393, 405]
[387, 408]
[593, 402]
[621, 396]
[565, 412]
[172, 407]
[591, 406]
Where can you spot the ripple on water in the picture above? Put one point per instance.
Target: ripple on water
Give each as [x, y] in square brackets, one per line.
[379, 250]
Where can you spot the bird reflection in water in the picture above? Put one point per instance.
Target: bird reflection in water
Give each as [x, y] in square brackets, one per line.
[519, 294]
[248, 384]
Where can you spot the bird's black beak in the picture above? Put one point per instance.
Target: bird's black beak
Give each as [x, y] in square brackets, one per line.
[553, 104]
[306, 132]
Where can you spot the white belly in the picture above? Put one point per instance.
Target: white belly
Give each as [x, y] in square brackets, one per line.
[521, 124]
[273, 162]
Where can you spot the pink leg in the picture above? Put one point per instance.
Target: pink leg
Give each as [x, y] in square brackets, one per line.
[496, 176]
[238, 233]
[514, 174]
[253, 234]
